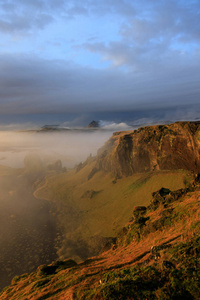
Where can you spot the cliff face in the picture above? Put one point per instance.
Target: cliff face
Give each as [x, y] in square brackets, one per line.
[161, 147]
[154, 256]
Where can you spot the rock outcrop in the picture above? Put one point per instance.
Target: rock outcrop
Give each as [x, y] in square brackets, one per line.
[155, 256]
[161, 147]
[93, 124]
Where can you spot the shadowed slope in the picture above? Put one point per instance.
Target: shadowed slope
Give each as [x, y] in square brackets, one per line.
[89, 210]
[162, 262]
[94, 200]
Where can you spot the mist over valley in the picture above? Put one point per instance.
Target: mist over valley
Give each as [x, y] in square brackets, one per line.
[31, 232]
[99, 149]
[59, 197]
[62, 203]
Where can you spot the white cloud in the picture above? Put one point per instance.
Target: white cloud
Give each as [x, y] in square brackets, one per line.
[160, 34]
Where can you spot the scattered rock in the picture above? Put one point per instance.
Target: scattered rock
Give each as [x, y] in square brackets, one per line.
[55, 266]
[162, 192]
[57, 166]
[93, 172]
[69, 263]
[159, 198]
[79, 167]
[114, 247]
[139, 211]
[167, 212]
[47, 270]
[155, 249]
[90, 194]
[168, 264]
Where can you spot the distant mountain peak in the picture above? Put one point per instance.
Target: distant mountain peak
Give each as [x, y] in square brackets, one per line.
[93, 124]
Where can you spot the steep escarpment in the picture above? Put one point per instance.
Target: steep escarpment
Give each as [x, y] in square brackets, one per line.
[155, 256]
[161, 147]
[93, 201]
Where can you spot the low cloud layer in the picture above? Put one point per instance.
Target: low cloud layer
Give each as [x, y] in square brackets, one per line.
[70, 147]
[33, 85]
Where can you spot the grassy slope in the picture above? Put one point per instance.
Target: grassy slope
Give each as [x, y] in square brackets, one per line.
[104, 211]
[132, 270]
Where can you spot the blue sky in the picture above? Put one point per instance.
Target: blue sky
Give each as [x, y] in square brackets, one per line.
[87, 56]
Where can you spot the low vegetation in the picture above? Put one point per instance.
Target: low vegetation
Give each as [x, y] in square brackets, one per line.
[146, 178]
[89, 210]
[155, 256]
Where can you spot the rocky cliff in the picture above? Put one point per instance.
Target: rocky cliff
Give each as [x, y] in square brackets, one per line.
[161, 147]
[155, 256]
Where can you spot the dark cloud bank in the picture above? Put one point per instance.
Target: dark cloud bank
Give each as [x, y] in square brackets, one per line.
[31, 86]
[154, 65]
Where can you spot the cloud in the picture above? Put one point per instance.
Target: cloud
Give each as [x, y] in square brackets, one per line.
[147, 30]
[31, 9]
[168, 20]
[158, 35]
[26, 15]
[23, 17]
[22, 24]
[109, 125]
[153, 55]
[35, 85]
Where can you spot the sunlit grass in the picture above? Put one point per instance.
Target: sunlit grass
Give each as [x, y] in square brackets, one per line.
[110, 206]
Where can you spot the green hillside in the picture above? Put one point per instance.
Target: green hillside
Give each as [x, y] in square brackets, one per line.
[128, 220]
[155, 256]
[102, 205]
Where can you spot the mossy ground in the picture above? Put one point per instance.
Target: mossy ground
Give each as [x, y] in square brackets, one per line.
[105, 212]
[130, 270]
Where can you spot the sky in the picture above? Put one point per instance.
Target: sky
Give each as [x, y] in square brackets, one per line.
[72, 60]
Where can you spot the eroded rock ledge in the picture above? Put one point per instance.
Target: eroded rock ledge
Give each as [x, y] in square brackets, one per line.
[160, 147]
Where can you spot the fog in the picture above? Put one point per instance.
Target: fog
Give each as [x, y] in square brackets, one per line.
[71, 147]
[29, 232]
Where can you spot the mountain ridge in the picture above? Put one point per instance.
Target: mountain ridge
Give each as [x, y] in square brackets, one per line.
[155, 256]
[159, 243]
[96, 197]
[159, 147]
